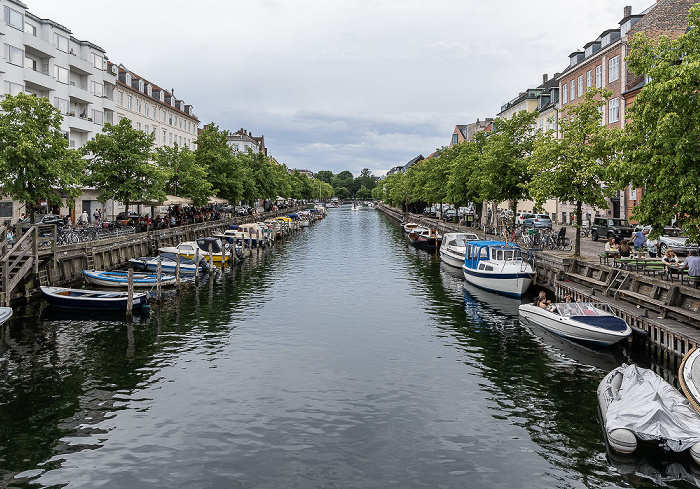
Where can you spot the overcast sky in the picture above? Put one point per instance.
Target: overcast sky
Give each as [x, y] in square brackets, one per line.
[341, 85]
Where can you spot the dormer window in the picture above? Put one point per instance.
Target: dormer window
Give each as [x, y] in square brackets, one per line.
[162, 96]
[128, 79]
[149, 90]
[141, 86]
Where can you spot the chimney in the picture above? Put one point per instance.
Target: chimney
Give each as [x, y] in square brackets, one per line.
[545, 77]
[627, 12]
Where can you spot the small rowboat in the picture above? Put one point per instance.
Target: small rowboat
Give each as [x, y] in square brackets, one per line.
[92, 299]
[121, 279]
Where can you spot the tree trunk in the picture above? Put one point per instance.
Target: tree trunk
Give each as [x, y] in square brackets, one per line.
[577, 228]
[513, 208]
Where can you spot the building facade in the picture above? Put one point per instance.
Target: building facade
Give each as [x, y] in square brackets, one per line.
[466, 132]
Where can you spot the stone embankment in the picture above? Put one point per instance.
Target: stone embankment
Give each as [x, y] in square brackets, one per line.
[668, 311]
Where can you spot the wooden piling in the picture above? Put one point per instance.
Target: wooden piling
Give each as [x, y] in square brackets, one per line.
[177, 272]
[159, 276]
[130, 292]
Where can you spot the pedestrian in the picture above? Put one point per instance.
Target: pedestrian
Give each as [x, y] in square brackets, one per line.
[638, 240]
[652, 247]
[83, 219]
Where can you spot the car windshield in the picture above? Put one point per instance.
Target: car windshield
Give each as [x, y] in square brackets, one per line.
[673, 233]
[620, 222]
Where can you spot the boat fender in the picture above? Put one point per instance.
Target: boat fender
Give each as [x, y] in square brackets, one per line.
[623, 440]
[695, 452]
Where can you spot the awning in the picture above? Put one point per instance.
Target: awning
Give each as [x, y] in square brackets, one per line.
[174, 200]
[217, 200]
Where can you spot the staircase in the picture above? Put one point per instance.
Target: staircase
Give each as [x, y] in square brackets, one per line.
[17, 261]
[618, 282]
[89, 258]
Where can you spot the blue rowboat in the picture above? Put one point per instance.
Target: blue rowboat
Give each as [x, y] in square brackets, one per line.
[121, 279]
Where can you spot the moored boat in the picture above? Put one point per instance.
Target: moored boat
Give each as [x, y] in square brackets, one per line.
[497, 266]
[409, 226]
[5, 314]
[637, 405]
[104, 278]
[425, 238]
[92, 299]
[200, 248]
[454, 246]
[168, 263]
[689, 377]
[586, 321]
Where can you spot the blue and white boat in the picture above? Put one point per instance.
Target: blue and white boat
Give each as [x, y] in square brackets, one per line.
[168, 264]
[92, 299]
[497, 266]
[121, 279]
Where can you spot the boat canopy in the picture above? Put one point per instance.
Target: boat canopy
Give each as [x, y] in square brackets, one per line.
[206, 243]
[490, 250]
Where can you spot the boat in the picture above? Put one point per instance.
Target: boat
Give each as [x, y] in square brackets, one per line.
[168, 263]
[355, 206]
[497, 266]
[638, 406]
[104, 278]
[5, 314]
[454, 246]
[409, 226]
[425, 238]
[589, 322]
[200, 248]
[689, 377]
[92, 299]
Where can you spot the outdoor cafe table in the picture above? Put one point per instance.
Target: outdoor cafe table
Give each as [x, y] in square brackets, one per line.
[636, 264]
[679, 270]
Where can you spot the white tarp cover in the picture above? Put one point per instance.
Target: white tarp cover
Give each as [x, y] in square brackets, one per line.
[653, 410]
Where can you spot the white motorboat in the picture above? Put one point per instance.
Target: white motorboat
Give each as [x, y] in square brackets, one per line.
[497, 266]
[636, 405]
[409, 226]
[5, 314]
[586, 321]
[200, 249]
[454, 246]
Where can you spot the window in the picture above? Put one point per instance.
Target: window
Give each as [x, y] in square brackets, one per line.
[120, 98]
[138, 126]
[572, 93]
[633, 193]
[30, 29]
[180, 139]
[170, 119]
[98, 117]
[154, 111]
[14, 55]
[13, 18]
[127, 79]
[163, 115]
[599, 76]
[171, 138]
[589, 78]
[165, 133]
[61, 104]
[149, 90]
[145, 129]
[140, 85]
[138, 105]
[128, 102]
[61, 42]
[146, 109]
[60, 74]
[602, 115]
[614, 68]
[97, 88]
[564, 95]
[97, 61]
[580, 85]
[613, 110]
[13, 88]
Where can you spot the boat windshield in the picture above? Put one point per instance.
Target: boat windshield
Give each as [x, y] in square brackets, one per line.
[583, 309]
[506, 254]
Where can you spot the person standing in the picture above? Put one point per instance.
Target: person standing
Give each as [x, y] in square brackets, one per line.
[638, 240]
[83, 219]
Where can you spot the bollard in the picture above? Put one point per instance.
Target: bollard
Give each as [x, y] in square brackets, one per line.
[130, 293]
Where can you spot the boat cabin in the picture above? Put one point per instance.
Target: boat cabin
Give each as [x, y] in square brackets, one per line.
[485, 255]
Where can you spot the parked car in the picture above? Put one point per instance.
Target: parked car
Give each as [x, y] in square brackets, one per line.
[673, 238]
[538, 221]
[449, 215]
[607, 227]
[41, 219]
[242, 210]
[521, 217]
[128, 216]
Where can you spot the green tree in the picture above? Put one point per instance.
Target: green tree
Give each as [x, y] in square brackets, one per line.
[463, 184]
[326, 190]
[119, 165]
[214, 154]
[324, 176]
[35, 160]
[364, 193]
[574, 168]
[503, 172]
[365, 179]
[185, 177]
[661, 142]
[342, 193]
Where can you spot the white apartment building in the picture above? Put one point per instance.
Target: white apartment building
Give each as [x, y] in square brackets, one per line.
[155, 110]
[43, 58]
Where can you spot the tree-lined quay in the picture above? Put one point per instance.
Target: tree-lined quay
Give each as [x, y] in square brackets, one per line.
[581, 161]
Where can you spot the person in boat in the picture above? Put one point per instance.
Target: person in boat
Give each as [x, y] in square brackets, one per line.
[567, 297]
[541, 300]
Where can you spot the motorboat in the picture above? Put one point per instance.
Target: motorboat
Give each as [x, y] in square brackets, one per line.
[5, 314]
[497, 266]
[104, 278]
[92, 299]
[200, 248]
[689, 377]
[590, 322]
[638, 406]
[425, 238]
[355, 206]
[454, 246]
[409, 226]
[168, 263]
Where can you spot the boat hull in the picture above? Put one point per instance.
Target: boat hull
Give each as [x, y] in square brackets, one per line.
[569, 327]
[120, 279]
[512, 284]
[91, 299]
[451, 257]
[5, 314]
[689, 377]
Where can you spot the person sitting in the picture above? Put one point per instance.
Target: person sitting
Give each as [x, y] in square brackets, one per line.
[567, 297]
[541, 300]
[692, 264]
[625, 248]
[669, 260]
[611, 247]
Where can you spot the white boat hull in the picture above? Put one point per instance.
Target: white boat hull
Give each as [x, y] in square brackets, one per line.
[514, 283]
[451, 257]
[569, 327]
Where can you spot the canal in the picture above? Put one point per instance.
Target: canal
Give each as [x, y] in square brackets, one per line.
[341, 357]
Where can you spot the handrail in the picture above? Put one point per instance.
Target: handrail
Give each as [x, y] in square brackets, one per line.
[18, 243]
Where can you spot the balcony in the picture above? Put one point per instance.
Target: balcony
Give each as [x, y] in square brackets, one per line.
[38, 46]
[42, 80]
[80, 65]
[80, 94]
[80, 124]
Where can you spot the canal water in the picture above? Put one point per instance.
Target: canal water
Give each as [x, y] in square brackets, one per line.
[340, 358]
